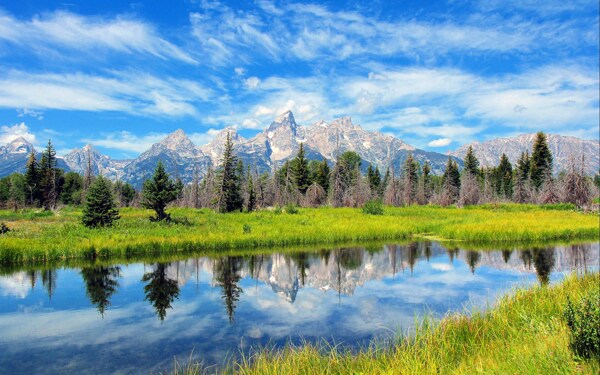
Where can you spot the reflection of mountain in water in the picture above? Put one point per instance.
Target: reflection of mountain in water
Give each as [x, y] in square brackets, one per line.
[340, 270]
[343, 270]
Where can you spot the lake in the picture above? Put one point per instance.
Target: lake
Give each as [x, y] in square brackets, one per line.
[136, 317]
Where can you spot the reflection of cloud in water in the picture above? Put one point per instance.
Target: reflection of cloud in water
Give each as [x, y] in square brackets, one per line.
[349, 299]
[17, 285]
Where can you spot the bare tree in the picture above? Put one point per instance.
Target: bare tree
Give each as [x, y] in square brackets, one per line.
[576, 187]
[469, 190]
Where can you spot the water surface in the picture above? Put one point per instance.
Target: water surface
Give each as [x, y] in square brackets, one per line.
[135, 318]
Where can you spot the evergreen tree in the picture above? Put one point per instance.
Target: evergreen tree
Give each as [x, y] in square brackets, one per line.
[251, 202]
[374, 178]
[426, 177]
[158, 192]
[410, 180]
[505, 180]
[48, 177]
[100, 208]
[127, 194]
[32, 180]
[523, 166]
[300, 171]
[471, 162]
[451, 183]
[230, 194]
[72, 189]
[323, 174]
[541, 160]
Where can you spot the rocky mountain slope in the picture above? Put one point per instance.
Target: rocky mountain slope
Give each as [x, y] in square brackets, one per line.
[13, 157]
[562, 148]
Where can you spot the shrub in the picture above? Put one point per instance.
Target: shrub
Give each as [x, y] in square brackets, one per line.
[583, 320]
[247, 229]
[4, 228]
[291, 209]
[100, 208]
[373, 207]
[277, 210]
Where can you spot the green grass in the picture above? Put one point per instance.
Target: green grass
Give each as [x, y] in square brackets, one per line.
[41, 237]
[524, 333]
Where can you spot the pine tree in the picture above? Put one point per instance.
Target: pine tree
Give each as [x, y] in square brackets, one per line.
[505, 174]
[541, 160]
[100, 208]
[32, 180]
[251, 201]
[451, 183]
[323, 175]
[410, 180]
[48, 174]
[374, 178]
[426, 177]
[523, 166]
[471, 162]
[158, 192]
[300, 171]
[229, 195]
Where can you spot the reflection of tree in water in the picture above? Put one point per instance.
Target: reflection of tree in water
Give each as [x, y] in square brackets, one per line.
[527, 258]
[351, 259]
[473, 258]
[579, 254]
[452, 253]
[161, 291]
[325, 254]
[412, 255]
[301, 260]
[543, 261]
[506, 255]
[49, 281]
[226, 272]
[426, 246]
[101, 283]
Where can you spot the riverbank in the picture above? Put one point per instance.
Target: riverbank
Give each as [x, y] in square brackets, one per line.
[525, 333]
[43, 237]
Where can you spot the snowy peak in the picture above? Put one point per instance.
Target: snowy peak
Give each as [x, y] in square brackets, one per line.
[19, 146]
[562, 147]
[284, 121]
[179, 142]
[215, 148]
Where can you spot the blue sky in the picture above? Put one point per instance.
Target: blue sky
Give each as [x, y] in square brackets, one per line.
[123, 75]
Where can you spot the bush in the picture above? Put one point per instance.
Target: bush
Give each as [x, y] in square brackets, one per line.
[247, 229]
[583, 320]
[291, 209]
[373, 207]
[4, 228]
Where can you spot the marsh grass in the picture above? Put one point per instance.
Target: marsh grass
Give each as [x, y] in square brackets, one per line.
[524, 333]
[46, 237]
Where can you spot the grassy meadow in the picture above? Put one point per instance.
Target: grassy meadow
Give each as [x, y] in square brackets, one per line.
[46, 236]
[524, 333]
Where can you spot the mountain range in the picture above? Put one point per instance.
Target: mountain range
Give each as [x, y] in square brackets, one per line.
[280, 142]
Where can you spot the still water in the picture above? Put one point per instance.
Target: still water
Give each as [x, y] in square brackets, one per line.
[135, 318]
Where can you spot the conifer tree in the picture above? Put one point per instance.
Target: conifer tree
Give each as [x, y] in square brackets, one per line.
[471, 162]
[251, 201]
[229, 194]
[158, 192]
[410, 180]
[505, 174]
[322, 176]
[451, 183]
[48, 177]
[100, 208]
[300, 171]
[374, 178]
[541, 160]
[523, 166]
[32, 180]
[426, 177]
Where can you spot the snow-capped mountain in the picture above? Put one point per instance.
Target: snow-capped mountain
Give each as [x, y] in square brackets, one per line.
[562, 148]
[77, 160]
[14, 156]
[280, 142]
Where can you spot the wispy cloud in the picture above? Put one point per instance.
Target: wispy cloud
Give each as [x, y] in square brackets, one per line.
[135, 93]
[46, 32]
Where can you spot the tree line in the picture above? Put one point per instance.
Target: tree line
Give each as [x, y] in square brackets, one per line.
[234, 186]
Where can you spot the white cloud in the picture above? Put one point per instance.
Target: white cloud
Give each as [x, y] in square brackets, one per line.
[130, 92]
[126, 141]
[9, 133]
[45, 33]
[440, 142]
[240, 71]
[252, 82]
[38, 115]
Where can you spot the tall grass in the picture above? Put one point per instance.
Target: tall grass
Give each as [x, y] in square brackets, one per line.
[37, 237]
[524, 333]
